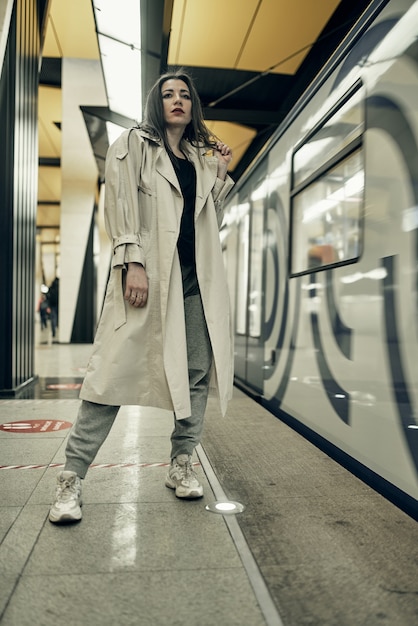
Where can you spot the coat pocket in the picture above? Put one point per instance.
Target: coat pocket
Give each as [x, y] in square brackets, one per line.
[144, 189]
[145, 204]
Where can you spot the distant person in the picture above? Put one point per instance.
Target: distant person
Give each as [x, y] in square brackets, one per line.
[53, 299]
[44, 311]
[165, 330]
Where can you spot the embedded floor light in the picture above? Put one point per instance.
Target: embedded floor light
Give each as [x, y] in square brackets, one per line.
[226, 507]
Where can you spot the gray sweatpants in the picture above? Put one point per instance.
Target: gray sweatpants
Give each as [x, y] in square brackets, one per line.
[94, 421]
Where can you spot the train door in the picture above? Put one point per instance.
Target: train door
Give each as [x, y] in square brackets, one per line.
[249, 311]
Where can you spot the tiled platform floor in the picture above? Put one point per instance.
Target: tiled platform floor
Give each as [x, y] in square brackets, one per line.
[140, 555]
[314, 545]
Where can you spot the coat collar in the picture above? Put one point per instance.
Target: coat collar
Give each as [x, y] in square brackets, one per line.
[205, 164]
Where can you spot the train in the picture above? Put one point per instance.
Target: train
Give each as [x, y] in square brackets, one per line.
[320, 243]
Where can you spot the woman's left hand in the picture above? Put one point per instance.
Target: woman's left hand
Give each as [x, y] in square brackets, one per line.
[224, 155]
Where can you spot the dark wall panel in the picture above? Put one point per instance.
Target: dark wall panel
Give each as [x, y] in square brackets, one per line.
[84, 320]
[18, 196]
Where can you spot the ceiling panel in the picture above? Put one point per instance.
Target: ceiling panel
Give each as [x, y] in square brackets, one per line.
[71, 30]
[49, 184]
[209, 34]
[51, 46]
[50, 113]
[249, 35]
[48, 216]
[280, 29]
[70, 33]
[238, 137]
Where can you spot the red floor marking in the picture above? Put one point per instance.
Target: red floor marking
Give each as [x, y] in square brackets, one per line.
[94, 466]
[35, 426]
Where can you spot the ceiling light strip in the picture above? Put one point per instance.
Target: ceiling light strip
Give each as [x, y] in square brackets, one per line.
[118, 27]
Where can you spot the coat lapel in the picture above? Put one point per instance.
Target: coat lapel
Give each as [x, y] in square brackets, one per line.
[165, 167]
[206, 172]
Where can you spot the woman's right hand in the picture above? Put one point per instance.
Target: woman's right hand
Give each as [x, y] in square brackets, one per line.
[136, 286]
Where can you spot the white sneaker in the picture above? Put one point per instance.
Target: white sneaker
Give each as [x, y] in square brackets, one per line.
[66, 507]
[183, 478]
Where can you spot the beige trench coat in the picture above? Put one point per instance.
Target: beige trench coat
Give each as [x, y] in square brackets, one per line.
[139, 354]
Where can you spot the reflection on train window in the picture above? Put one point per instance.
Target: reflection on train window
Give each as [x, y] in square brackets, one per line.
[343, 128]
[242, 267]
[256, 271]
[326, 217]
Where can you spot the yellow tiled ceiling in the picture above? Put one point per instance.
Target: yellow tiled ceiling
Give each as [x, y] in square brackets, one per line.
[50, 238]
[238, 137]
[50, 112]
[49, 184]
[48, 215]
[70, 33]
[209, 38]
[281, 28]
[249, 35]
[70, 29]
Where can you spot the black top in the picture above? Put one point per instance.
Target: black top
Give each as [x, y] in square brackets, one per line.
[186, 242]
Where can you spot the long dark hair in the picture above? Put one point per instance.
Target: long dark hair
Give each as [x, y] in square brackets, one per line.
[196, 132]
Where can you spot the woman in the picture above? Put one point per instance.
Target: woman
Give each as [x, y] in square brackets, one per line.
[165, 333]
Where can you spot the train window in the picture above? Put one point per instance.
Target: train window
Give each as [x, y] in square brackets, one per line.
[328, 188]
[326, 217]
[342, 126]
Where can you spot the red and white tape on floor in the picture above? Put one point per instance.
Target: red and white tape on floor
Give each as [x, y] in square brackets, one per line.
[94, 466]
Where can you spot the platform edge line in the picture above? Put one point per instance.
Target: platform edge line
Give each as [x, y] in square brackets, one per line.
[261, 592]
